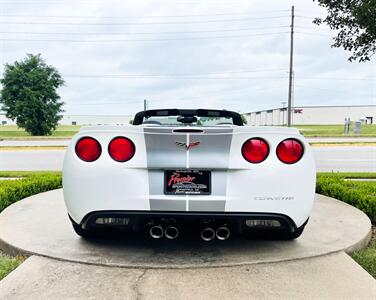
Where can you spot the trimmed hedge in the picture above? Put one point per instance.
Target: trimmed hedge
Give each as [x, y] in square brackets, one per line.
[357, 193]
[14, 190]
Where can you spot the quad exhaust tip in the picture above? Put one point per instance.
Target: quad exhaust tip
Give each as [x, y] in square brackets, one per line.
[156, 232]
[207, 234]
[171, 232]
[222, 233]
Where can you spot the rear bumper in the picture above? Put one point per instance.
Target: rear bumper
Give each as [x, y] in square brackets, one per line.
[190, 221]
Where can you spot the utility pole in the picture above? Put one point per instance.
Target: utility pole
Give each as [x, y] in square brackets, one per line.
[145, 104]
[289, 102]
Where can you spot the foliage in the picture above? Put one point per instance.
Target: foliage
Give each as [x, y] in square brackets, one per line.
[346, 175]
[361, 194]
[8, 264]
[355, 21]
[244, 119]
[14, 190]
[29, 95]
[8, 174]
[367, 258]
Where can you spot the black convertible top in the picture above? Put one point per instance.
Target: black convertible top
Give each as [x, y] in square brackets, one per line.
[236, 117]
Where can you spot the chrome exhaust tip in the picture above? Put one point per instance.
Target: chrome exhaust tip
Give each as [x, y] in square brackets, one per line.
[156, 232]
[171, 232]
[207, 234]
[222, 233]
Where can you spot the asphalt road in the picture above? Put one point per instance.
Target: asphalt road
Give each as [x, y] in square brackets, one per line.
[345, 159]
[341, 158]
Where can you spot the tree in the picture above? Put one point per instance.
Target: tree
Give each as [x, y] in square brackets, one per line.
[356, 22]
[29, 95]
[244, 119]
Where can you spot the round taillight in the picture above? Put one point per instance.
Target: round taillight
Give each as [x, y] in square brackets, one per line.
[290, 151]
[255, 150]
[88, 149]
[121, 149]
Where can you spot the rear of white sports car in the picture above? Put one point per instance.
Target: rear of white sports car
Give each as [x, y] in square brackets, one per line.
[169, 180]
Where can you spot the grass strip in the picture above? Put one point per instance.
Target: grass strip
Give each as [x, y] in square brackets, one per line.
[27, 148]
[8, 264]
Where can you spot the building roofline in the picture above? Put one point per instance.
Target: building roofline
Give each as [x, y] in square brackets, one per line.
[314, 106]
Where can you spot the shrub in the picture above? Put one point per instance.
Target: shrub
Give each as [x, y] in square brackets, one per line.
[14, 190]
[359, 194]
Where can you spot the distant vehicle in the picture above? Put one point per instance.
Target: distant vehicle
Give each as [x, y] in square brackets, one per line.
[194, 171]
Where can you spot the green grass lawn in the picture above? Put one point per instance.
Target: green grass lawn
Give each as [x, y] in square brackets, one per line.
[334, 130]
[13, 132]
[367, 258]
[8, 264]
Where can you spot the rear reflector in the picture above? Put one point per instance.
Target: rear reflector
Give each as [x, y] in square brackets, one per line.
[255, 150]
[121, 149]
[290, 151]
[88, 149]
[262, 223]
[112, 221]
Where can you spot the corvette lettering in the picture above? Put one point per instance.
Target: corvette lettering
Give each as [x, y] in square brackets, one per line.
[277, 198]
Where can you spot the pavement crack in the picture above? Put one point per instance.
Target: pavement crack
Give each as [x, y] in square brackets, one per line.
[137, 284]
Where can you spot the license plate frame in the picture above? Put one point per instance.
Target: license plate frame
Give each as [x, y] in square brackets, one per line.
[180, 182]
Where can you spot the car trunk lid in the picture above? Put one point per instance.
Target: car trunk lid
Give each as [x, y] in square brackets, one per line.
[176, 148]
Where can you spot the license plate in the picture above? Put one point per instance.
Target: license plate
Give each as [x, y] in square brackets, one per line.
[187, 182]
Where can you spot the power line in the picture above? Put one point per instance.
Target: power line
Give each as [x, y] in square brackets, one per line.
[170, 75]
[305, 17]
[321, 89]
[179, 78]
[315, 33]
[139, 2]
[142, 33]
[334, 78]
[104, 103]
[143, 16]
[315, 27]
[139, 23]
[141, 40]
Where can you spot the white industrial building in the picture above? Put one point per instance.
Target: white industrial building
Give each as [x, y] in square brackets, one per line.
[313, 115]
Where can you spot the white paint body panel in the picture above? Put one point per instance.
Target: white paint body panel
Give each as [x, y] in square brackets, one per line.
[267, 187]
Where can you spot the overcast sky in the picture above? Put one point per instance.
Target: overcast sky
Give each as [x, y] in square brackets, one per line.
[183, 54]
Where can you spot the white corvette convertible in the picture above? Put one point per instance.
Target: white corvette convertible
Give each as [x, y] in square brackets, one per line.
[189, 171]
